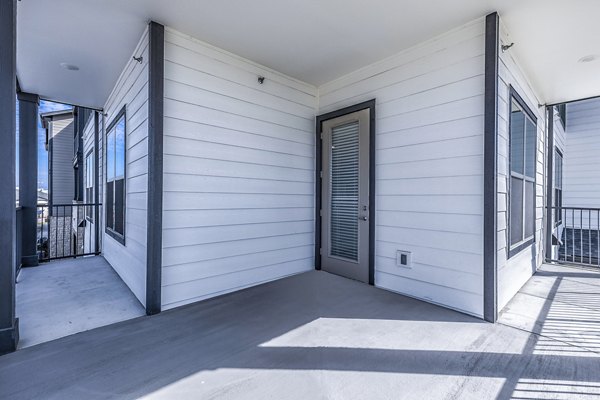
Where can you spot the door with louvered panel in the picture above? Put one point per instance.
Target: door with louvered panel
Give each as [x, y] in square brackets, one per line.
[345, 196]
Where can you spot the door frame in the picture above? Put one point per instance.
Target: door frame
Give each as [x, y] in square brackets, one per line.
[370, 105]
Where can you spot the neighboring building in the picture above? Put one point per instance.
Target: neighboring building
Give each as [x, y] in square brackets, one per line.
[582, 162]
[64, 145]
[577, 171]
[60, 132]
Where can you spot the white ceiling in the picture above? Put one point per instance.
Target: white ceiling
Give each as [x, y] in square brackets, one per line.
[313, 40]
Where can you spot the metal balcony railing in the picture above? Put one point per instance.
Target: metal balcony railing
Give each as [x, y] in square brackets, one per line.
[578, 235]
[66, 230]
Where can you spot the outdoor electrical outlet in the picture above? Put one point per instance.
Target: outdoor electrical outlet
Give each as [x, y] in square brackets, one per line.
[403, 259]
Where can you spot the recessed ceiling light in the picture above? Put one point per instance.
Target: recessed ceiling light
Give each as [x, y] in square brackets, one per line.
[588, 58]
[70, 67]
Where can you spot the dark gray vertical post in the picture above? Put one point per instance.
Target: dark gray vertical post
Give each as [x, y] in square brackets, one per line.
[549, 180]
[9, 326]
[155, 167]
[97, 182]
[490, 189]
[28, 176]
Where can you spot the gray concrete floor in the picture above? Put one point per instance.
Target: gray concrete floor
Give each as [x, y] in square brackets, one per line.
[68, 296]
[310, 336]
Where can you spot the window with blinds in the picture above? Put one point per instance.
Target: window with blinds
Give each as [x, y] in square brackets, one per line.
[344, 191]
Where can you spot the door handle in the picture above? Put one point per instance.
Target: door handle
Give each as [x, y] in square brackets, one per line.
[363, 218]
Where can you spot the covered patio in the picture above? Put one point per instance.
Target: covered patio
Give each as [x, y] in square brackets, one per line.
[316, 335]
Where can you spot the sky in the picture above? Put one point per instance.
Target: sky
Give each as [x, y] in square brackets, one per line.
[45, 106]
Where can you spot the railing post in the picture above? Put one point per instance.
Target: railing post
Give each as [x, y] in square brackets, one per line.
[96, 182]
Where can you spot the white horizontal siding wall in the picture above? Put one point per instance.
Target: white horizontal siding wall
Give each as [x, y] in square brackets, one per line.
[514, 272]
[582, 165]
[131, 90]
[62, 173]
[429, 164]
[238, 173]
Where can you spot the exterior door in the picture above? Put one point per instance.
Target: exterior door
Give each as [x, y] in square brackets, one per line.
[345, 196]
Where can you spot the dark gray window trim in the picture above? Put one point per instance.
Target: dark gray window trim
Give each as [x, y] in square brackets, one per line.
[156, 51]
[115, 235]
[490, 187]
[530, 242]
[370, 105]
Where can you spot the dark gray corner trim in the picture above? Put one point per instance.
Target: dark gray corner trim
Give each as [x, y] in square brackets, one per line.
[319, 167]
[156, 63]
[9, 327]
[549, 180]
[490, 187]
[28, 176]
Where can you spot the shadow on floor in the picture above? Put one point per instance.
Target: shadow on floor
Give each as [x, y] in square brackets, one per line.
[560, 306]
[310, 336]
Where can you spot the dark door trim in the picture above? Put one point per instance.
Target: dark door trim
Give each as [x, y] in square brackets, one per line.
[370, 105]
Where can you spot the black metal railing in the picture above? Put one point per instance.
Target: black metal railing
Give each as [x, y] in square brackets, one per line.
[577, 232]
[66, 230]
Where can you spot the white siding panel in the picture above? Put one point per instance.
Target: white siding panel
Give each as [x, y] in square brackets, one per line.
[429, 164]
[131, 91]
[238, 173]
[515, 271]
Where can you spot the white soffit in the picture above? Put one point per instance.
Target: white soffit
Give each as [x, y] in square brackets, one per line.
[313, 41]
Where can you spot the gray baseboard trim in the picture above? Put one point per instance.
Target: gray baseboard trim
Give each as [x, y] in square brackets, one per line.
[30, 261]
[9, 338]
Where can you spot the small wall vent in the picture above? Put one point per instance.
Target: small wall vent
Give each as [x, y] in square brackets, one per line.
[403, 259]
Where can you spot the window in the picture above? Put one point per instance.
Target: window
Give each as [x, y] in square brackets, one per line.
[89, 185]
[558, 181]
[522, 195]
[115, 178]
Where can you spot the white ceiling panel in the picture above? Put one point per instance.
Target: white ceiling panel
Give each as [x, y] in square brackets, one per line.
[313, 41]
